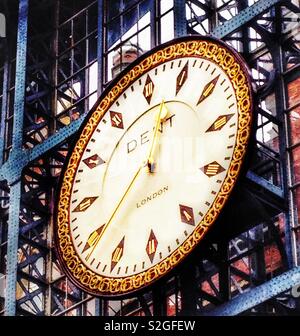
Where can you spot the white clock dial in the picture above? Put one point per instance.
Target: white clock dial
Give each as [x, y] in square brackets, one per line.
[153, 167]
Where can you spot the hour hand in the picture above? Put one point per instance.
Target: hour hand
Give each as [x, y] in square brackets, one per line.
[164, 113]
[93, 239]
[161, 116]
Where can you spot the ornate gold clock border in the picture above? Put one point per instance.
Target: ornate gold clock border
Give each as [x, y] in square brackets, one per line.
[230, 62]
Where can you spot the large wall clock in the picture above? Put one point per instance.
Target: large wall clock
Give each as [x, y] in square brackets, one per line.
[153, 165]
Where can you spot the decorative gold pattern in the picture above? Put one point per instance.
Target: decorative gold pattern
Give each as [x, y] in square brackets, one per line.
[229, 63]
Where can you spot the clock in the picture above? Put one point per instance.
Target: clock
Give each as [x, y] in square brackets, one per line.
[153, 165]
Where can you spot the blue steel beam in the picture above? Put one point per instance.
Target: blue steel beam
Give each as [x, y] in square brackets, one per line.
[4, 107]
[17, 137]
[243, 17]
[265, 184]
[259, 294]
[11, 169]
[180, 23]
[12, 249]
[15, 190]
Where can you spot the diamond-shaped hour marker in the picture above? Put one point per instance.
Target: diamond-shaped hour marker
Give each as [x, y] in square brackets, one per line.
[93, 237]
[212, 169]
[220, 122]
[85, 204]
[93, 161]
[208, 89]
[117, 254]
[116, 119]
[187, 214]
[148, 89]
[182, 77]
[151, 246]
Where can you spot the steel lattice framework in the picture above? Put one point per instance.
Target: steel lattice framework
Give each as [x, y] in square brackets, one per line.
[56, 60]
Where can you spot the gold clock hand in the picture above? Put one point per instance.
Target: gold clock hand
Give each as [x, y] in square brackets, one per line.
[97, 234]
[161, 116]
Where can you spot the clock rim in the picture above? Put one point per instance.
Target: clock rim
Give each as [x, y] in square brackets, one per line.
[147, 286]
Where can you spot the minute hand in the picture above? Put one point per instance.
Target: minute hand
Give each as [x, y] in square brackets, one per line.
[96, 241]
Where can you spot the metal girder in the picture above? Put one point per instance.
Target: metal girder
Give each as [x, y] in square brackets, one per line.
[180, 24]
[4, 108]
[11, 169]
[15, 190]
[259, 294]
[12, 249]
[17, 137]
[279, 92]
[265, 184]
[243, 17]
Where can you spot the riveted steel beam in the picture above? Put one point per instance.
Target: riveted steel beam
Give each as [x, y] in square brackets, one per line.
[12, 168]
[19, 102]
[12, 249]
[15, 190]
[180, 24]
[243, 17]
[4, 108]
[259, 294]
[260, 181]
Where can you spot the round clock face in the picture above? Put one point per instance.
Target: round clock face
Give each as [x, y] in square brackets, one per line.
[153, 166]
